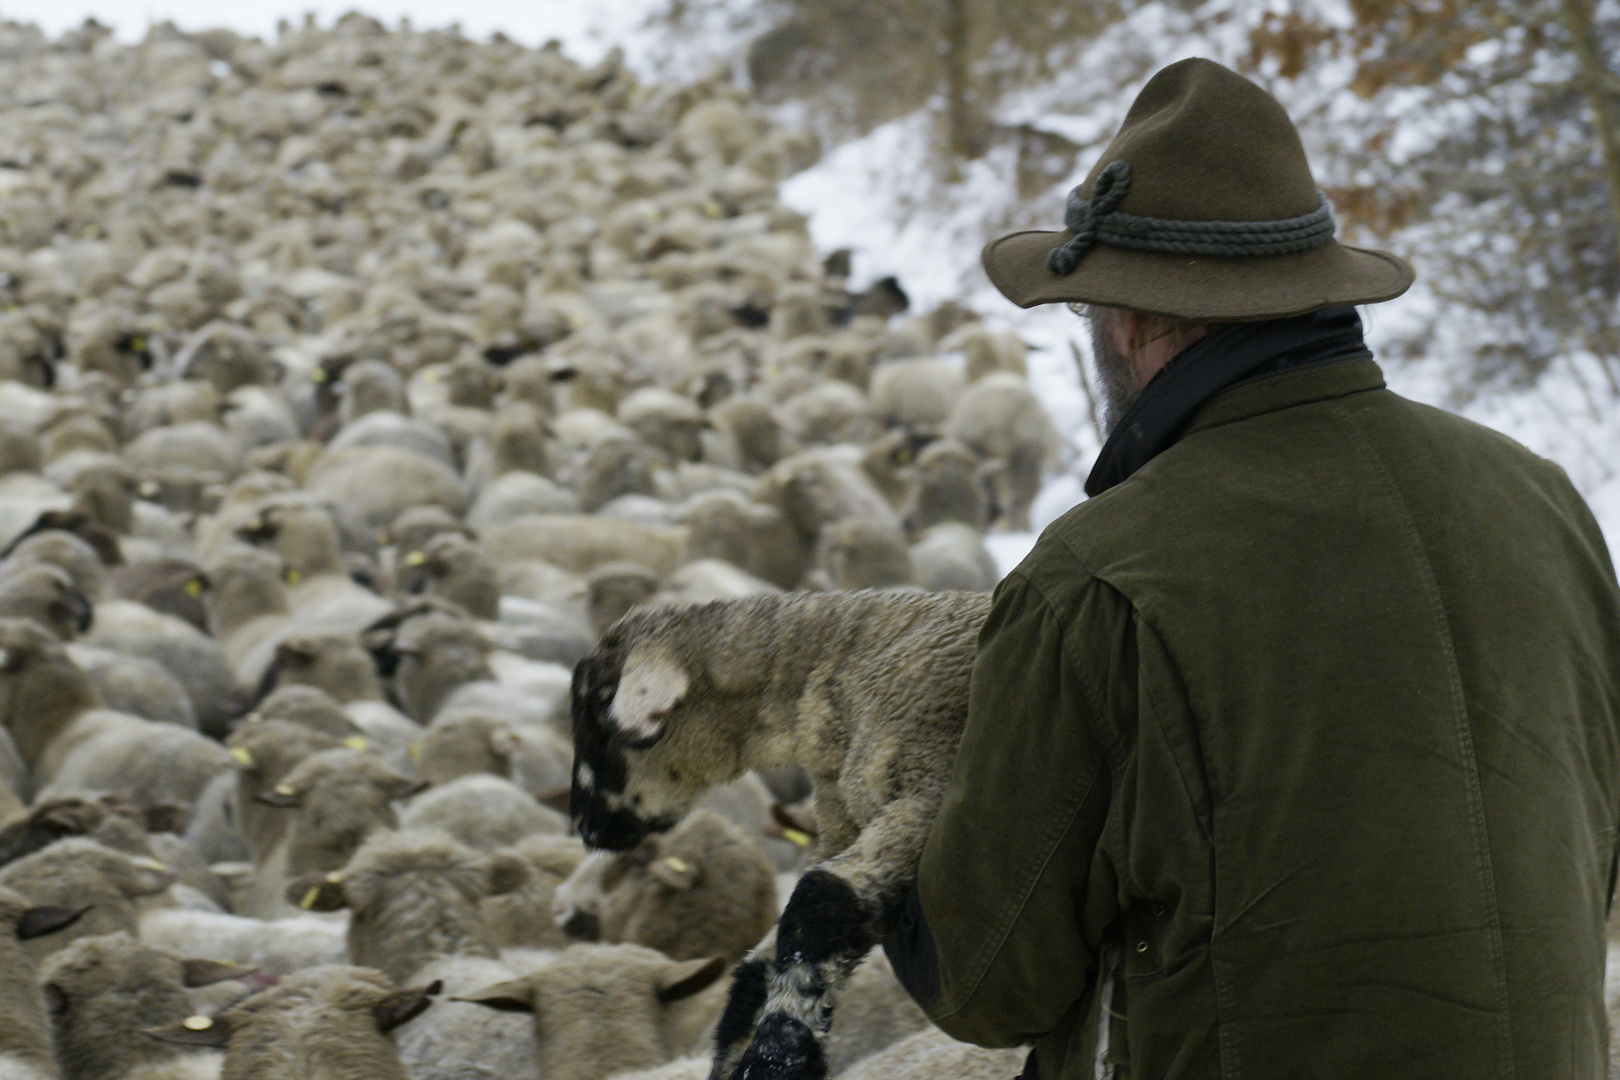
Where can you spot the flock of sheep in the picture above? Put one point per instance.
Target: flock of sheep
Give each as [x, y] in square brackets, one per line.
[353, 385]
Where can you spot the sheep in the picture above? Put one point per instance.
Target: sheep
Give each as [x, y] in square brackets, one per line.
[757, 538]
[816, 487]
[467, 740]
[371, 485]
[950, 486]
[191, 656]
[676, 700]
[516, 493]
[930, 1054]
[483, 812]
[522, 918]
[336, 799]
[427, 655]
[46, 594]
[414, 899]
[263, 752]
[1002, 421]
[665, 421]
[307, 706]
[702, 889]
[77, 872]
[135, 685]
[952, 556]
[856, 553]
[601, 1009]
[457, 569]
[327, 1023]
[175, 587]
[61, 548]
[579, 543]
[335, 663]
[102, 992]
[275, 948]
[25, 1046]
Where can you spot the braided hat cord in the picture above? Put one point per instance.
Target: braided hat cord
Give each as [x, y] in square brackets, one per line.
[1098, 221]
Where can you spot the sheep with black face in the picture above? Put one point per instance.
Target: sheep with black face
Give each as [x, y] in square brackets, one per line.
[867, 691]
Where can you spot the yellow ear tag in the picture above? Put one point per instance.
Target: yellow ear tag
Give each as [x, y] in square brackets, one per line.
[286, 789]
[148, 488]
[415, 558]
[150, 863]
[794, 836]
[416, 750]
[317, 374]
[335, 877]
[293, 576]
[197, 1023]
[713, 209]
[309, 898]
[356, 742]
[137, 344]
[241, 756]
[194, 587]
[431, 375]
[677, 864]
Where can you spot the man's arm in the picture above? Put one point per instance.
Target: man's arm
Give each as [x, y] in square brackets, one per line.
[997, 940]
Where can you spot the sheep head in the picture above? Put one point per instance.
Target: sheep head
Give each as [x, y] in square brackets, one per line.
[659, 710]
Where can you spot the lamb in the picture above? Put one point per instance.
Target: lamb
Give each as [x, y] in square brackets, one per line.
[263, 753]
[102, 992]
[1002, 421]
[467, 739]
[337, 798]
[46, 594]
[70, 744]
[483, 812]
[327, 1023]
[414, 900]
[676, 700]
[950, 486]
[601, 1009]
[522, 919]
[25, 1046]
[952, 556]
[276, 947]
[77, 872]
[860, 554]
[702, 889]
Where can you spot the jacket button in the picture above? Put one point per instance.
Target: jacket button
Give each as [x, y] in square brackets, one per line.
[1141, 946]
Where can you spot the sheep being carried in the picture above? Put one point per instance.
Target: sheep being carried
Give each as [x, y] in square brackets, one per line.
[868, 691]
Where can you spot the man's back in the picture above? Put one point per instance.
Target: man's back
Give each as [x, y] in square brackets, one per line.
[1362, 768]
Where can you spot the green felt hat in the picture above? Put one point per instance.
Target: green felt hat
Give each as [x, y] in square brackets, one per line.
[1202, 207]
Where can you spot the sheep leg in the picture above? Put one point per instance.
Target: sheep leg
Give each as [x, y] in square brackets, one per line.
[837, 912]
[744, 1003]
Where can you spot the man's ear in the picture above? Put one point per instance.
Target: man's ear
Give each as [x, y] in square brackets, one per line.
[403, 1005]
[193, 1031]
[513, 996]
[652, 684]
[682, 980]
[317, 892]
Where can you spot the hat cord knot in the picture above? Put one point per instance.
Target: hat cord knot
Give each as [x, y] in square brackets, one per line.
[1084, 215]
[1097, 220]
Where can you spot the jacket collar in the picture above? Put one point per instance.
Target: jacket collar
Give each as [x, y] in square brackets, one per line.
[1229, 355]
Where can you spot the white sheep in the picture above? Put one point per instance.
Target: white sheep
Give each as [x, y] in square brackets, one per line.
[25, 1039]
[866, 690]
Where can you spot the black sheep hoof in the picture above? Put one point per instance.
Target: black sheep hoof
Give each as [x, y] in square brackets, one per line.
[783, 1049]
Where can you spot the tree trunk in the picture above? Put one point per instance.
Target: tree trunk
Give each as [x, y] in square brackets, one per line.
[960, 112]
[1598, 83]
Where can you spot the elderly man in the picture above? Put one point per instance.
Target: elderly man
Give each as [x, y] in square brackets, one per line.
[1295, 751]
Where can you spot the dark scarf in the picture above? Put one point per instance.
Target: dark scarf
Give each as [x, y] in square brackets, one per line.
[1230, 354]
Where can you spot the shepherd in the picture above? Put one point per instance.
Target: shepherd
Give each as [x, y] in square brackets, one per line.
[1295, 750]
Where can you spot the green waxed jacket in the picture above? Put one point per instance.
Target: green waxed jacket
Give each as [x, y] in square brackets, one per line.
[1310, 732]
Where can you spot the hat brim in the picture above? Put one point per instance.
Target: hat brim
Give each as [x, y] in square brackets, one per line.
[1207, 288]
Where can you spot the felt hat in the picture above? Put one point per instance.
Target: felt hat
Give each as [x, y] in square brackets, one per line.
[1202, 207]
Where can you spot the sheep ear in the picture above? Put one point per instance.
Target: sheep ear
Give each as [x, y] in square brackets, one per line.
[56, 1000]
[682, 980]
[317, 892]
[507, 874]
[514, 996]
[193, 1031]
[166, 818]
[39, 921]
[676, 872]
[281, 797]
[503, 741]
[208, 972]
[403, 787]
[149, 878]
[404, 1005]
[650, 687]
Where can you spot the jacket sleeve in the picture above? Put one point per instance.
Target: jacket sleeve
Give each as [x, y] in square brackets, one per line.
[998, 938]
